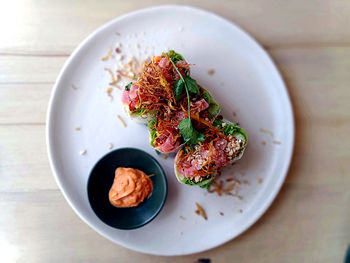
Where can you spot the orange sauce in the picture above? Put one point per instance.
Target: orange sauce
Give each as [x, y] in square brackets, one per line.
[130, 187]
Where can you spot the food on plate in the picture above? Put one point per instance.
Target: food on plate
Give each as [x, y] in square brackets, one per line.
[224, 143]
[130, 187]
[200, 211]
[183, 117]
[174, 106]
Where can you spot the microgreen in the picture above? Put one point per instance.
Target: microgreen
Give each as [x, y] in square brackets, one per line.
[188, 132]
[127, 87]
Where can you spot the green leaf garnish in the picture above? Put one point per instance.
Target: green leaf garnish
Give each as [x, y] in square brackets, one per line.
[205, 183]
[175, 57]
[127, 87]
[214, 107]
[191, 85]
[179, 85]
[189, 133]
[178, 89]
[151, 126]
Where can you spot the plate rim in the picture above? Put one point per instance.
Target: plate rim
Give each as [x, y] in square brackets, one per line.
[288, 107]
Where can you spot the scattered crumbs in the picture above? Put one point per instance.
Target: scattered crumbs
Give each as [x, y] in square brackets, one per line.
[217, 188]
[182, 217]
[181, 28]
[260, 180]
[221, 213]
[234, 114]
[276, 142]
[121, 119]
[77, 128]
[117, 33]
[130, 69]
[151, 175]
[230, 179]
[211, 71]
[118, 45]
[229, 188]
[263, 143]
[117, 50]
[114, 79]
[164, 156]
[200, 211]
[108, 55]
[267, 131]
[245, 182]
[82, 152]
[120, 57]
[240, 211]
[74, 87]
[109, 93]
[110, 146]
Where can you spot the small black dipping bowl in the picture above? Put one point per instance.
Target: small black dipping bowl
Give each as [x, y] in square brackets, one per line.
[101, 180]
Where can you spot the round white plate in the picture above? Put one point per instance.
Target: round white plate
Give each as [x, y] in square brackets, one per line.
[245, 83]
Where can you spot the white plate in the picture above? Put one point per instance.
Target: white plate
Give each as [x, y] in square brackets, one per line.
[245, 81]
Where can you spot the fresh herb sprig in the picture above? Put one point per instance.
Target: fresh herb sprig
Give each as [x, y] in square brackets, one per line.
[188, 132]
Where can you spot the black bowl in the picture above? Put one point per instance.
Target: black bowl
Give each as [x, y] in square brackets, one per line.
[101, 179]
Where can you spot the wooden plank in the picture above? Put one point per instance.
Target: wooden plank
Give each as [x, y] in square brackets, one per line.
[24, 103]
[317, 80]
[57, 27]
[305, 224]
[24, 164]
[29, 69]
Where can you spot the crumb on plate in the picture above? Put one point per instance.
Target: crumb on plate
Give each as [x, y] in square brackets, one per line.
[266, 131]
[211, 71]
[83, 152]
[200, 211]
[121, 119]
[109, 93]
[108, 55]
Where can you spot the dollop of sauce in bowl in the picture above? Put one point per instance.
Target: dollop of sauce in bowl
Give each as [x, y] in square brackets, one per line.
[130, 187]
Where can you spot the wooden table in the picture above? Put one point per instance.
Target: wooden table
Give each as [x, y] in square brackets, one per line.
[310, 219]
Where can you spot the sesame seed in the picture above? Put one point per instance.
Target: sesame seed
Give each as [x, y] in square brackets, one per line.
[211, 71]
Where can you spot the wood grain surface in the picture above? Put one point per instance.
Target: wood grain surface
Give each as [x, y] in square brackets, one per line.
[310, 219]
